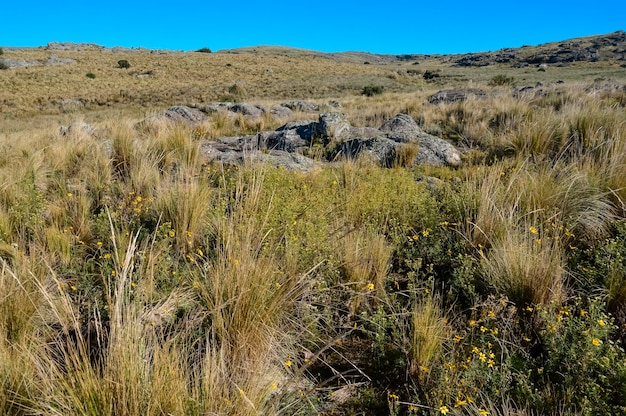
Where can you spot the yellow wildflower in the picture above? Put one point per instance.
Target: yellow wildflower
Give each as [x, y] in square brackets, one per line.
[460, 403]
[596, 342]
[483, 412]
[491, 314]
[533, 230]
[444, 410]
[370, 286]
[601, 322]
[472, 322]
[288, 363]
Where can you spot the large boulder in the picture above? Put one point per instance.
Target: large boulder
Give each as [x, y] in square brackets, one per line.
[380, 149]
[280, 112]
[432, 149]
[437, 152]
[307, 129]
[252, 110]
[333, 126]
[285, 140]
[183, 114]
[402, 128]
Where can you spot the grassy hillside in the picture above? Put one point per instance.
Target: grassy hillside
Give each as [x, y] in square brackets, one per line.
[139, 278]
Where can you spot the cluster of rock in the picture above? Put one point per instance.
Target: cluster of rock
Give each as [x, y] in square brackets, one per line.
[331, 135]
[23, 63]
[596, 48]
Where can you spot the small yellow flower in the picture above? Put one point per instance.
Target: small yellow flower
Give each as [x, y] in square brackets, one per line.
[172, 233]
[601, 322]
[490, 363]
[472, 322]
[69, 195]
[583, 312]
[99, 243]
[460, 403]
[274, 386]
[288, 363]
[107, 255]
[483, 412]
[236, 262]
[112, 272]
[533, 230]
[426, 232]
[73, 288]
[491, 314]
[370, 286]
[483, 329]
[199, 252]
[444, 410]
[596, 342]
[457, 338]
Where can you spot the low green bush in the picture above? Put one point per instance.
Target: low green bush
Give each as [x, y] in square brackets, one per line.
[123, 63]
[371, 90]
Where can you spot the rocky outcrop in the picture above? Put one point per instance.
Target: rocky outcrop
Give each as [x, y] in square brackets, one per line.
[184, 114]
[302, 106]
[450, 96]
[397, 139]
[72, 47]
[7, 63]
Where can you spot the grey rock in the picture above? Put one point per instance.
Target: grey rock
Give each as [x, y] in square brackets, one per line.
[333, 126]
[437, 152]
[211, 108]
[285, 140]
[17, 63]
[302, 106]
[225, 154]
[280, 112]
[306, 129]
[184, 114]
[452, 95]
[380, 149]
[55, 60]
[256, 111]
[401, 123]
[72, 47]
[290, 161]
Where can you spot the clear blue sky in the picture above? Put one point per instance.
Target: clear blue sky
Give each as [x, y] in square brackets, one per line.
[404, 26]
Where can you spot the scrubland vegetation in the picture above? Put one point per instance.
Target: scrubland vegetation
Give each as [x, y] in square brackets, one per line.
[137, 278]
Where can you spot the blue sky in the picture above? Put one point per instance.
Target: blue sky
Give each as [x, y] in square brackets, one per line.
[430, 26]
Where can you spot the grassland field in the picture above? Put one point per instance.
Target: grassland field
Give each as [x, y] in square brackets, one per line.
[137, 277]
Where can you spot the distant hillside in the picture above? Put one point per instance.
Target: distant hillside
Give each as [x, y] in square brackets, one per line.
[609, 47]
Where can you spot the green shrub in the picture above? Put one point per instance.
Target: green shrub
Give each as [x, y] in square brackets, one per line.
[428, 75]
[371, 90]
[123, 63]
[501, 79]
[1, 51]
[204, 50]
[91, 75]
